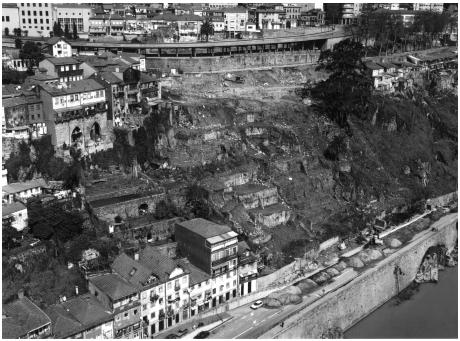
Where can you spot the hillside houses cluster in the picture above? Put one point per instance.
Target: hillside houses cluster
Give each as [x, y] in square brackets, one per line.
[78, 99]
[391, 75]
[146, 293]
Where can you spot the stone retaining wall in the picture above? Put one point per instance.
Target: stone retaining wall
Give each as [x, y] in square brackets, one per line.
[349, 304]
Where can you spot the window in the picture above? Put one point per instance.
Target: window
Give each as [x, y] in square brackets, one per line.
[184, 279]
[67, 67]
[30, 22]
[23, 21]
[228, 274]
[41, 21]
[62, 68]
[214, 290]
[221, 288]
[35, 21]
[125, 314]
[28, 12]
[228, 285]
[40, 4]
[47, 21]
[234, 283]
[35, 12]
[169, 285]
[41, 13]
[34, 4]
[23, 12]
[144, 307]
[46, 13]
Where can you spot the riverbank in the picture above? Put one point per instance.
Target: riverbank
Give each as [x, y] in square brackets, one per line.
[351, 303]
[432, 312]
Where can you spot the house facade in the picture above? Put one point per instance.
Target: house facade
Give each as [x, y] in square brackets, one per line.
[121, 298]
[212, 248]
[76, 115]
[66, 68]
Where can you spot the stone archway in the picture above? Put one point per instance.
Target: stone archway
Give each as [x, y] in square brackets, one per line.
[143, 208]
[76, 135]
[95, 132]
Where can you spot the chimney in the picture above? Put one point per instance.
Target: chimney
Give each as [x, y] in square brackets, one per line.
[76, 290]
[136, 256]
[21, 294]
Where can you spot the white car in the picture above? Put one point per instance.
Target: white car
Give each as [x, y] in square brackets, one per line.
[257, 304]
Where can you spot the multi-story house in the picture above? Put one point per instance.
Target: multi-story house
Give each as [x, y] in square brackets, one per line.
[82, 317]
[114, 89]
[218, 23]
[212, 248]
[121, 298]
[66, 68]
[23, 117]
[36, 19]
[163, 285]
[200, 288]
[271, 19]
[21, 191]
[98, 25]
[23, 319]
[58, 47]
[235, 19]
[186, 25]
[10, 17]
[429, 7]
[292, 15]
[76, 115]
[70, 14]
[247, 270]
[314, 17]
[12, 61]
[16, 213]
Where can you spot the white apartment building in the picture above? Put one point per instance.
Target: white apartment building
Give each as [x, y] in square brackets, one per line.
[10, 17]
[235, 19]
[70, 14]
[36, 19]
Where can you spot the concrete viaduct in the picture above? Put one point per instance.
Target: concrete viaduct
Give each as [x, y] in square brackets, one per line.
[312, 41]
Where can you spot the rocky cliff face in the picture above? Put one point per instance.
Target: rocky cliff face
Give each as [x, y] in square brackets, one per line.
[331, 180]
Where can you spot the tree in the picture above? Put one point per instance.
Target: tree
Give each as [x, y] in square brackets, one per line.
[7, 31]
[18, 43]
[66, 31]
[197, 201]
[207, 29]
[9, 234]
[31, 51]
[59, 31]
[347, 90]
[53, 222]
[17, 32]
[74, 32]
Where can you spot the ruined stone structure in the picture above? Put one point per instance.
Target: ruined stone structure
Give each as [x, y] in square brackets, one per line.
[126, 206]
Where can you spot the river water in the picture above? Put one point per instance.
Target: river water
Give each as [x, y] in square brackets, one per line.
[432, 312]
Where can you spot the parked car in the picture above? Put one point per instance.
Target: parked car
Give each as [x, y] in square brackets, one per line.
[172, 336]
[182, 332]
[202, 335]
[201, 324]
[257, 304]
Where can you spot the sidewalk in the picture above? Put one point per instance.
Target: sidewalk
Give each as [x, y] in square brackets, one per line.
[209, 322]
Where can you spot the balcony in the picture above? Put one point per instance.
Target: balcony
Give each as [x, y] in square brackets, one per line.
[154, 298]
[177, 288]
[77, 72]
[223, 260]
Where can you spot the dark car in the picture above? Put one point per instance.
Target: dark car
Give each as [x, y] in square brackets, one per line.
[202, 335]
[200, 324]
[182, 332]
[173, 336]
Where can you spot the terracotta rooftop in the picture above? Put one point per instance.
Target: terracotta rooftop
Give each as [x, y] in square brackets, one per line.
[205, 228]
[114, 286]
[21, 317]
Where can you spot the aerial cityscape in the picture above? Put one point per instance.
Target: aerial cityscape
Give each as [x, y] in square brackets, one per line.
[229, 170]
